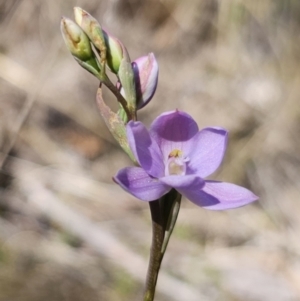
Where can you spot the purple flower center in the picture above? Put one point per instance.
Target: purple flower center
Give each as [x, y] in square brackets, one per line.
[176, 163]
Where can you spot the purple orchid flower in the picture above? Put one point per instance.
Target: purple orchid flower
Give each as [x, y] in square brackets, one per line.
[175, 154]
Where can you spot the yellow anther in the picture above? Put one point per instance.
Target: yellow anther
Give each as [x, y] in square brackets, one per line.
[175, 153]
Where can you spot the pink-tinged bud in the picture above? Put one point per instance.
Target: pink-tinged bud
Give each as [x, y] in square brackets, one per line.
[145, 71]
[76, 40]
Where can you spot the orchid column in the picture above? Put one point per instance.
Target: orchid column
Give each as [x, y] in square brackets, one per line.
[172, 158]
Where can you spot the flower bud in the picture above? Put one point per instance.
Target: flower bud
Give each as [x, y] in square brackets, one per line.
[93, 30]
[76, 40]
[145, 71]
[115, 52]
[127, 81]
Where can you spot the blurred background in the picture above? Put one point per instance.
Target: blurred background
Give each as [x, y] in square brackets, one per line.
[67, 232]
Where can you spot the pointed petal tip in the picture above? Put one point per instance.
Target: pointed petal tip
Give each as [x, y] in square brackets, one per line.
[228, 195]
[216, 195]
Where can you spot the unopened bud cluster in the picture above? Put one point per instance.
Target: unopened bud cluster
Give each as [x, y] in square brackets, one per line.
[95, 49]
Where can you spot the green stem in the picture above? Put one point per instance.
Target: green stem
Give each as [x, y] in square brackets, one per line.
[158, 234]
[164, 213]
[107, 82]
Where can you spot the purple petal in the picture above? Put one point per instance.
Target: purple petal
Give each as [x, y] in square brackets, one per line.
[219, 195]
[183, 181]
[145, 149]
[145, 71]
[137, 182]
[173, 130]
[207, 151]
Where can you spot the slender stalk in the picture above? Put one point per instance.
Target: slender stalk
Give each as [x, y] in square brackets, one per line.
[158, 234]
[164, 213]
[107, 82]
[102, 76]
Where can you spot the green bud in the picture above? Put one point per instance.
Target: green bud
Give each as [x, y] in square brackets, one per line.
[115, 51]
[76, 40]
[93, 30]
[79, 45]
